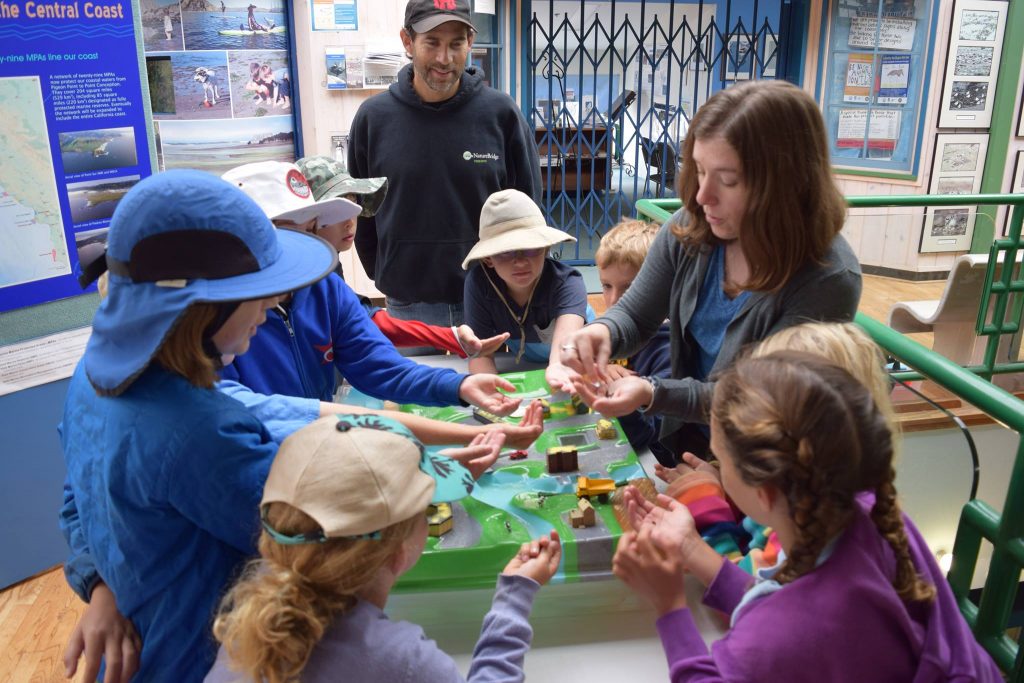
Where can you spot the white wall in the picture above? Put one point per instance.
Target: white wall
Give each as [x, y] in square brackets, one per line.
[324, 112]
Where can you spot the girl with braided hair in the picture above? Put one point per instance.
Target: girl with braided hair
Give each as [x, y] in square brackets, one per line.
[855, 596]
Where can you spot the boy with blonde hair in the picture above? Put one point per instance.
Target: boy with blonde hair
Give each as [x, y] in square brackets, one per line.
[619, 259]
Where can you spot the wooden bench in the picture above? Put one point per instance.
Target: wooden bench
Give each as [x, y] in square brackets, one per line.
[951, 319]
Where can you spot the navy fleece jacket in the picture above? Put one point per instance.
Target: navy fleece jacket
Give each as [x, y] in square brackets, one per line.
[442, 161]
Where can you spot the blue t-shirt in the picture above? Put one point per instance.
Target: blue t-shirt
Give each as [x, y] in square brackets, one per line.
[715, 310]
[561, 290]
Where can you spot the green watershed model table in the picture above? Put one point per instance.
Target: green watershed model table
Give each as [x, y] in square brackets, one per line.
[519, 499]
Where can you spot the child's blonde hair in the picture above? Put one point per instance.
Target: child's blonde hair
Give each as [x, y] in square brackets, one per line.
[626, 243]
[813, 432]
[846, 345]
[270, 621]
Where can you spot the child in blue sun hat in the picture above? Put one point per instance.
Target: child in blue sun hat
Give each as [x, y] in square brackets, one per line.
[344, 516]
[162, 468]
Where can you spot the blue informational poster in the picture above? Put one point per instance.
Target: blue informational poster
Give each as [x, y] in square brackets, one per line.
[73, 139]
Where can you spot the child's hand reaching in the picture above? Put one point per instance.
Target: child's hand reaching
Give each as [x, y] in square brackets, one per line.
[480, 454]
[560, 377]
[483, 390]
[474, 346]
[537, 559]
[526, 432]
[690, 463]
[644, 564]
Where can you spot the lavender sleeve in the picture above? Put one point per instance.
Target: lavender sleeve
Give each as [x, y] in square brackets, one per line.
[688, 657]
[726, 589]
[506, 633]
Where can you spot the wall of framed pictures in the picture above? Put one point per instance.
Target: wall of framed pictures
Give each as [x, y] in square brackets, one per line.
[972, 64]
[956, 169]
[874, 81]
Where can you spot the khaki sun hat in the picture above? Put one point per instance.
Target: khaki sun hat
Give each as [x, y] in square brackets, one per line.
[510, 220]
[355, 475]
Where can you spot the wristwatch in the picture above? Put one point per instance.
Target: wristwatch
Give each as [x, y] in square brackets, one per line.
[655, 382]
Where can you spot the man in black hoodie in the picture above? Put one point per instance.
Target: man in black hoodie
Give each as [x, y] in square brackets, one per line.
[446, 141]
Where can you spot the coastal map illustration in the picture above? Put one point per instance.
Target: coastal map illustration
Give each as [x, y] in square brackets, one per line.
[32, 245]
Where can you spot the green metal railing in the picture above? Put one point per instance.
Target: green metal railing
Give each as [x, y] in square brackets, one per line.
[999, 314]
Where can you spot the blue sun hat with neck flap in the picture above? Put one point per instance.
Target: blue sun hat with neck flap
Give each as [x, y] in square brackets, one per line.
[184, 237]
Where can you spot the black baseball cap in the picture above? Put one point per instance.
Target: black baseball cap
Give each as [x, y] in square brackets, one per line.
[426, 15]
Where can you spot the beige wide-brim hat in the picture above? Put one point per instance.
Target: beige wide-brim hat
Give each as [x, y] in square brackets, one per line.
[510, 220]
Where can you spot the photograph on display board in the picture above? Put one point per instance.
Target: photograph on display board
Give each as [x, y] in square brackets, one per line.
[90, 245]
[33, 246]
[260, 83]
[234, 25]
[973, 61]
[95, 200]
[198, 85]
[85, 151]
[217, 146]
[161, 25]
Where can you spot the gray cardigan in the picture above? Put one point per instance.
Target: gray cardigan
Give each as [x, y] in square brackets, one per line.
[668, 285]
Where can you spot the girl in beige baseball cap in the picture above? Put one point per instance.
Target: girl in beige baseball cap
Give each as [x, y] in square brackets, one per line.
[344, 516]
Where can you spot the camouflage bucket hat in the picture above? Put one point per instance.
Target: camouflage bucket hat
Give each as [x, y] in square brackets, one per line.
[328, 178]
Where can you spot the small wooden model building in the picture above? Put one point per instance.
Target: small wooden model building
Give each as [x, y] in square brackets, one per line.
[605, 429]
[578, 405]
[584, 515]
[562, 459]
[439, 519]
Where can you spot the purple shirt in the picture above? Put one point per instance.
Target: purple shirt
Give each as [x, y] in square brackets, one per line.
[841, 622]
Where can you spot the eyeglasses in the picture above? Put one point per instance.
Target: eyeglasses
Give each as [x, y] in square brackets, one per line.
[509, 256]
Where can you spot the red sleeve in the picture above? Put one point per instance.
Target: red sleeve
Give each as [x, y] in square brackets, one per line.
[416, 333]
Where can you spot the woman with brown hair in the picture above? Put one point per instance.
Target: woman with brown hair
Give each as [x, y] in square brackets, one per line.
[755, 249]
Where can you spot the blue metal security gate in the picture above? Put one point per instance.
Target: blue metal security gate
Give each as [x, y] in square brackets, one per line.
[610, 88]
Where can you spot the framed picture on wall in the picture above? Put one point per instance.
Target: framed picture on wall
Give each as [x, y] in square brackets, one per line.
[972, 63]
[956, 169]
[769, 55]
[738, 62]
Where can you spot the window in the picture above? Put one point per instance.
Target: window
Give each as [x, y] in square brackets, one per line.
[874, 78]
[487, 49]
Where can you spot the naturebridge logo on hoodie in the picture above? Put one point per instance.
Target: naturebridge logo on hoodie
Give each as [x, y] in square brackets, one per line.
[479, 157]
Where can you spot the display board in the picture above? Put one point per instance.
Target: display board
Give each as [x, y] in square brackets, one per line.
[220, 82]
[74, 139]
[520, 498]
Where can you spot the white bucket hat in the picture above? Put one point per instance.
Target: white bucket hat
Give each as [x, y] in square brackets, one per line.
[282, 192]
[510, 220]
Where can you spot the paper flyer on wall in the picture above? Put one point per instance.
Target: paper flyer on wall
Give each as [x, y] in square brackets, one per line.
[74, 139]
[893, 79]
[334, 15]
[853, 128]
[859, 77]
[890, 34]
[337, 68]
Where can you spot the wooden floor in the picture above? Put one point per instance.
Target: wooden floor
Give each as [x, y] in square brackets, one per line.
[38, 615]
